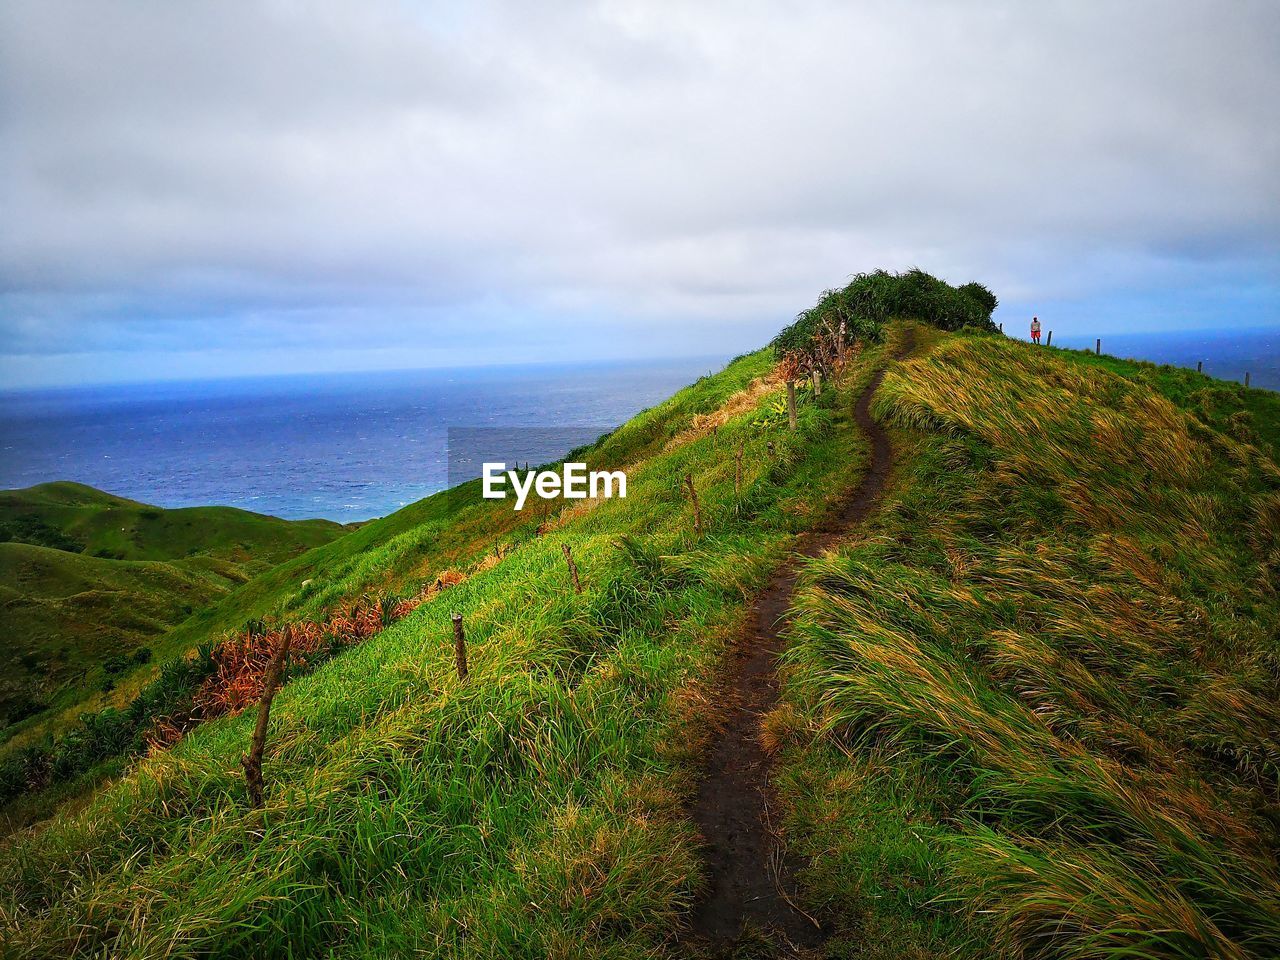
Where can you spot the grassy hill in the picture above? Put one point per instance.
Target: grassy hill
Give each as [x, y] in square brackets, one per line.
[72, 516]
[92, 583]
[1033, 710]
[1028, 711]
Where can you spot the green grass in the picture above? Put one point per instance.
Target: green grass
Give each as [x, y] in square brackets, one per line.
[89, 576]
[101, 524]
[1251, 415]
[1032, 711]
[534, 810]
[1029, 711]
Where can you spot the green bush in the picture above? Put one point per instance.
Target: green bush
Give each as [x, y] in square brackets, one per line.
[982, 296]
[24, 769]
[34, 530]
[107, 734]
[120, 662]
[21, 701]
[870, 300]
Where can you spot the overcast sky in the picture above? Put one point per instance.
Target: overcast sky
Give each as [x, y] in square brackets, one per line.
[222, 188]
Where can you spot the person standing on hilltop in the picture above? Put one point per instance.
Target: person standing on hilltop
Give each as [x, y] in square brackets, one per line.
[1035, 330]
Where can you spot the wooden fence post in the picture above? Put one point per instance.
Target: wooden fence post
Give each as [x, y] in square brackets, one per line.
[1199, 366]
[737, 470]
[459, 647]
[1049, 342]
[817, 382]
[1246, 379]
[253, 762]
[697, 509]
[573, 568]
[791, 403]
[1002, 327]
[1097, 349]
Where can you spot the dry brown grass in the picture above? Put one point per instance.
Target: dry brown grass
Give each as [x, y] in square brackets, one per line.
[743, 401]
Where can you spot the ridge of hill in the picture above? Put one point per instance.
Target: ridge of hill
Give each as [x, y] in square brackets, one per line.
[1032, 710]
[81, 519]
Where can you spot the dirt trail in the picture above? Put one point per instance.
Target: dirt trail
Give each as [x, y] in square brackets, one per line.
[752, 885]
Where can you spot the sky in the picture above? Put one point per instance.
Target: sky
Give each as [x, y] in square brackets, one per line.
[230, 188]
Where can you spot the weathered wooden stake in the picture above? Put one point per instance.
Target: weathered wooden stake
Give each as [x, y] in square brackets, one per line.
[817, 382]
[737, 470]
[573, 568]
[697, 509]
[1002, 328]
[459, 646]
[791, 403]
[1246, 379]
[1097, 350]
[1199, 366]
[1049, 340]
[253, 762]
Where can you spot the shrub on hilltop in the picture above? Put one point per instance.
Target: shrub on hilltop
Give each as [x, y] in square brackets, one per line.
[820, 335]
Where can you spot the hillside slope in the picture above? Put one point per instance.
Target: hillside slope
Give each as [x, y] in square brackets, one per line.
[1033, 710]
[574, 737]
[1029, 708]
[91, 580]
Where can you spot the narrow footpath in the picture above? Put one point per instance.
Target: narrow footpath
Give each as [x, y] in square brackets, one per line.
[752, 885]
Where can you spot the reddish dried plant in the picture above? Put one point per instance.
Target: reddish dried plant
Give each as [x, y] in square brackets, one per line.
[241, 661]
[240, 666]
[791, 367]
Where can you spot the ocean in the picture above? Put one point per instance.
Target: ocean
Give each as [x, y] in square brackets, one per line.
[344, 447]
[349, 447]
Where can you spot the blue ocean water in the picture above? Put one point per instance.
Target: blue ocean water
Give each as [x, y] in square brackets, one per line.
[341, 446]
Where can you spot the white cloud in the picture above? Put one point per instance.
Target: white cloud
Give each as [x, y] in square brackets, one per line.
[635, 176]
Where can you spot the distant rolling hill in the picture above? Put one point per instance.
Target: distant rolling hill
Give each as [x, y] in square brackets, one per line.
[88, 579]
